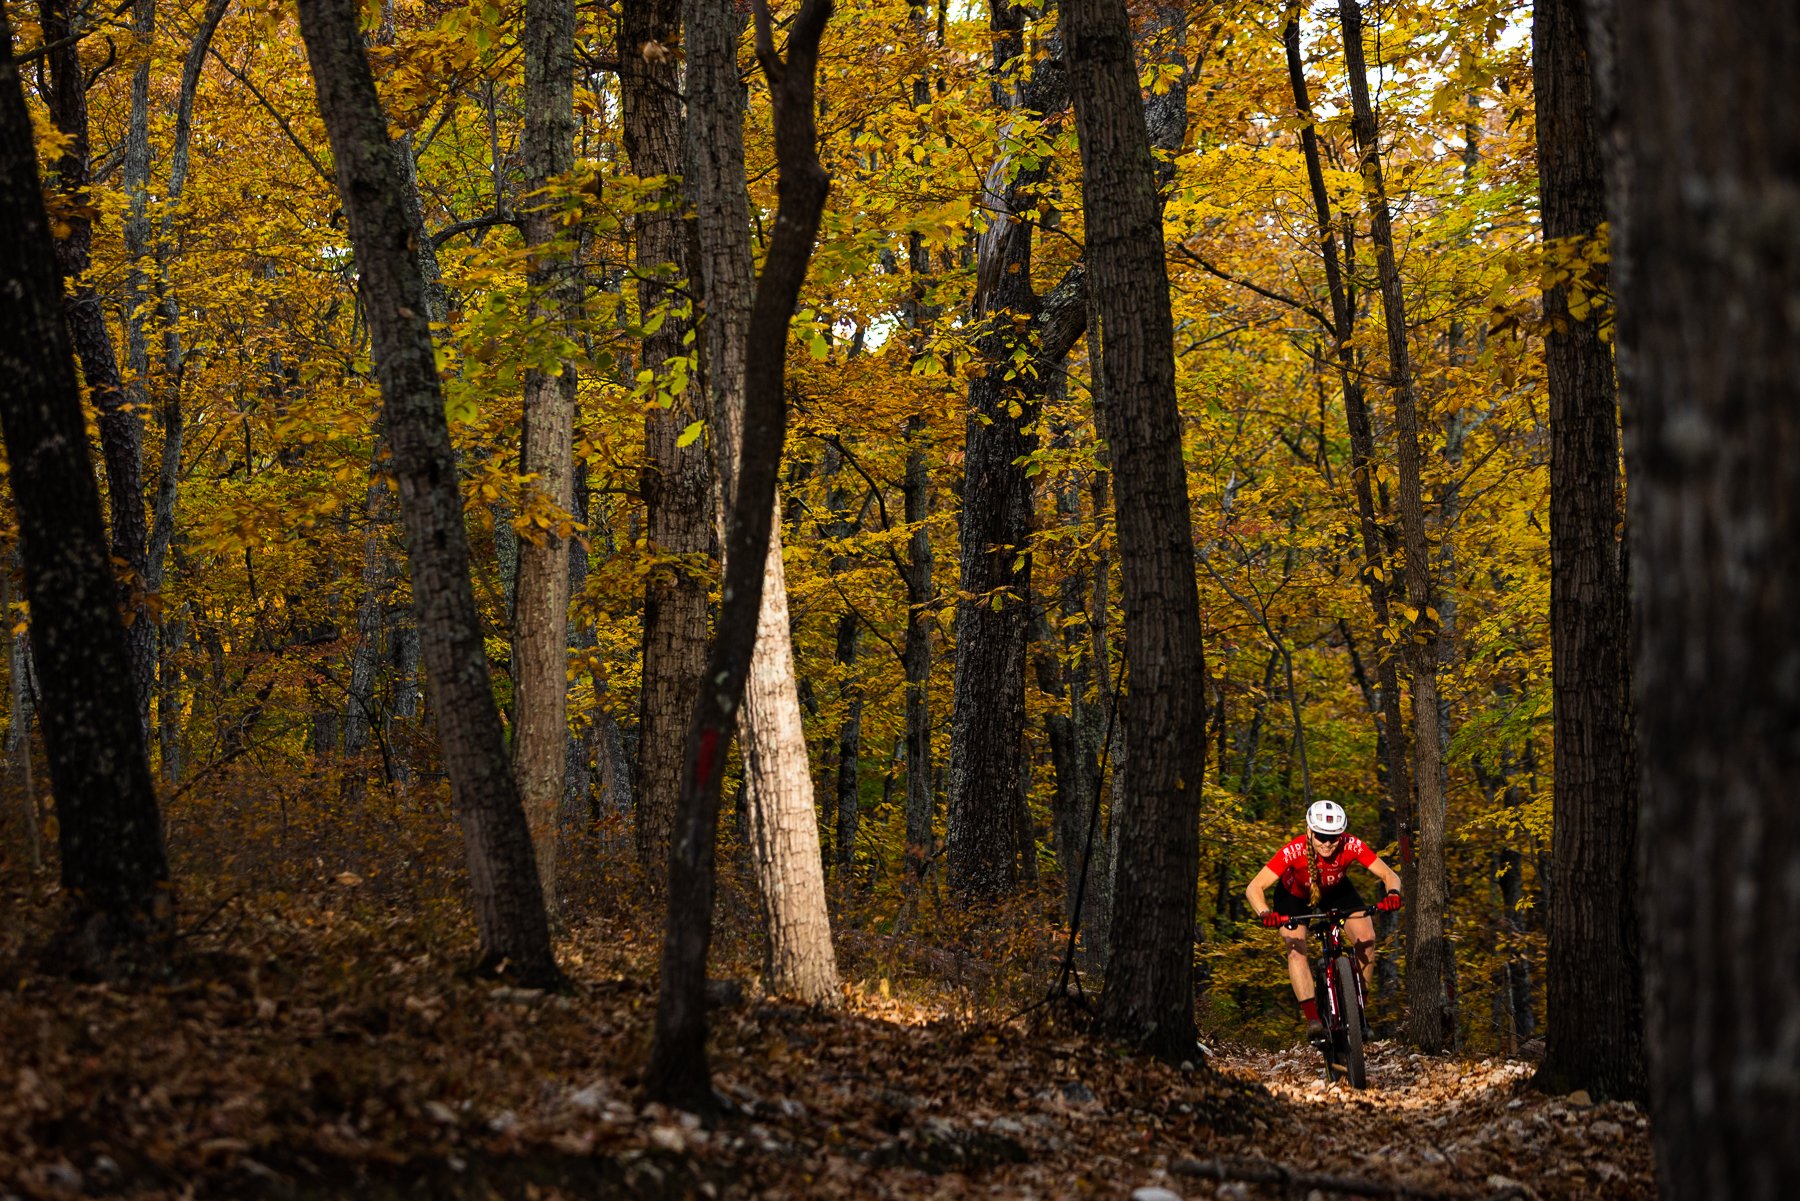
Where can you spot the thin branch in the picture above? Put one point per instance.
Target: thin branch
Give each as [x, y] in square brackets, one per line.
[1279, 297]
[470, 224]
[276, 114]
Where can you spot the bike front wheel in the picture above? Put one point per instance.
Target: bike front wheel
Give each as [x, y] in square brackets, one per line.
[1353, 1027]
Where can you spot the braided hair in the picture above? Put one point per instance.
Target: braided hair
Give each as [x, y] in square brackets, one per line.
[1312, 866]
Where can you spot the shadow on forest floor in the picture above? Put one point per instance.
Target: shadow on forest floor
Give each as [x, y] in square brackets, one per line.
[321, 1043]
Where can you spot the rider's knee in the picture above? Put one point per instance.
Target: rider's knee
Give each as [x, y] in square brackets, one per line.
[1295, 946]
[1365, 949]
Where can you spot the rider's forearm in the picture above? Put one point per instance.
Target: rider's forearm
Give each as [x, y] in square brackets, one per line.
[1258, 898]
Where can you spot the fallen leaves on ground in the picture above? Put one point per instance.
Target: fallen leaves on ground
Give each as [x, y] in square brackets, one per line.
[321, 1051]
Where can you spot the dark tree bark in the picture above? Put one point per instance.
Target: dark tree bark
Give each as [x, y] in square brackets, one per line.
[993, 609]
[509, 905]
[849, 745]
[678, 1072]
[1362, 453]
[121, 431]
[18, 737]
[1594, 998]
[1149, 991]
[915, 490]
[782, 824]
[1430, 959]
[120, 910]
[541, 604]
[921, 801]
[677, 484]
[1708, 279]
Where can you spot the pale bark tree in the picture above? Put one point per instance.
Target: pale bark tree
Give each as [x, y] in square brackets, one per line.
[371, 183]
[677, 484]
[119, 909]
[678, 1072]
[783, 827]
[1705, 205]
[1594, 998]
[1430, 959]
[1148, 996]
[541, 602]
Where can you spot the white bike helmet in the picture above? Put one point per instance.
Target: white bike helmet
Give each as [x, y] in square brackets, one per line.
[1327, 818]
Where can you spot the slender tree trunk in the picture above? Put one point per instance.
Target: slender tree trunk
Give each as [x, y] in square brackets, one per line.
[783, 826]
[18, 732]
[849, 744]
[678, 1072]
[360, 714]
[677, 484]
[1259, 712]
[1594, 1027]
[1707, 268]
[541, 610]
[121, 432]
[1430, 960]
[509, 908]
[921, 802]
[1149, 991]
[582, 743]
[172, 631]
[1375, 572]
[119, 908]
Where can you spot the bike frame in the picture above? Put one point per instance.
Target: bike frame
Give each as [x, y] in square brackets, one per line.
[1329, 926]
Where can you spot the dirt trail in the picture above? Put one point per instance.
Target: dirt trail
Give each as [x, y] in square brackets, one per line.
[1458, 1127]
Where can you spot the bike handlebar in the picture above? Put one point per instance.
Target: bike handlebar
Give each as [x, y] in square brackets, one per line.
[1328, 914]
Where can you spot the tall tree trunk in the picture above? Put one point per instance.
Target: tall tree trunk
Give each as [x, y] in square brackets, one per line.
[915, 491]
[1430, 959]
[120, 910]
[915, 653]
[541, 608]
[1149, 992]
[1362, 460]
[171, 632]
[849, 745]
[121, 433]
[783, 826]
[677, 484]
[678, 1072]
[1708, 277]
[993, 610]
[509, 906]
[18, 731]
[1594, 1003]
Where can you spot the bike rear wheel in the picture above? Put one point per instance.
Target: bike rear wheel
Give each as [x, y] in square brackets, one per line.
[1353, 1028]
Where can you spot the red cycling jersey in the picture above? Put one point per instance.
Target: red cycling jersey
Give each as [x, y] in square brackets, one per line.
[1289, 863]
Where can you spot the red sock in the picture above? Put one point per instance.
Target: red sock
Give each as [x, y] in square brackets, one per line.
[1309, 1009]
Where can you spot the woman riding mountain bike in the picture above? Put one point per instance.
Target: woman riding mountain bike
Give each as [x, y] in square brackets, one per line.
[1311, 871]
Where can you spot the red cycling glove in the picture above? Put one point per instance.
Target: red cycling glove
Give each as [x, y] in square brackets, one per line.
[1389, 903]
[1272, 920]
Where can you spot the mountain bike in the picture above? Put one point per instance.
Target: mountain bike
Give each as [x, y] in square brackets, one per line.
[1339, 989]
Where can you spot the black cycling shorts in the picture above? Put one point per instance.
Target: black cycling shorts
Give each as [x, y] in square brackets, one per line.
[1342, 895]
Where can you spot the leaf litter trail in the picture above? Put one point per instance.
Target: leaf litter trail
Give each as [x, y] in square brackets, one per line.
[318, 1055]
[1451, 1126]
